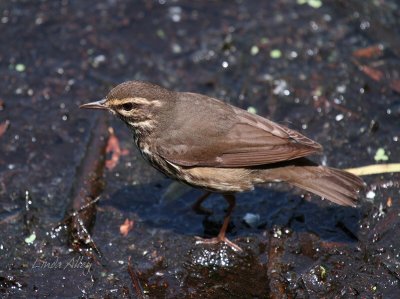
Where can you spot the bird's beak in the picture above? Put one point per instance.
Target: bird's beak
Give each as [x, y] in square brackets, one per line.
[95, 105]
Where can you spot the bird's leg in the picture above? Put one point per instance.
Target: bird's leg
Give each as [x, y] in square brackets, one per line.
[230, 198]
[198, 208]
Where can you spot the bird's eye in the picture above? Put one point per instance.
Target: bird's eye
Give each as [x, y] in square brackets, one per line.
[127, 106]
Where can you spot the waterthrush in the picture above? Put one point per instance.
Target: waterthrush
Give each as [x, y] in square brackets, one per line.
[210, 144]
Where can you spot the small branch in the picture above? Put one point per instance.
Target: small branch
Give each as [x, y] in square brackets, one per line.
[375, 169]
[87, 187]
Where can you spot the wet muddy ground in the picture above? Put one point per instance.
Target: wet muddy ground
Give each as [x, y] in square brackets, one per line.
[329, 69]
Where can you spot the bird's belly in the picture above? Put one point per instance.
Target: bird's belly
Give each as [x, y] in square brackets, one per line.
[217, 179]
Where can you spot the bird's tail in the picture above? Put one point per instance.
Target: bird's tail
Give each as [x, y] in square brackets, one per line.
[336, 185]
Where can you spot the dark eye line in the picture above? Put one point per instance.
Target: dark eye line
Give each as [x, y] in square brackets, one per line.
[128, 106]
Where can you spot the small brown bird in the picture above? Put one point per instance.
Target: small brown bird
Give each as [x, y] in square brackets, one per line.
[209, 144]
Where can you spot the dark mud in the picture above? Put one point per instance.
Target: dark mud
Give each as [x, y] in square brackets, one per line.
[330, 72]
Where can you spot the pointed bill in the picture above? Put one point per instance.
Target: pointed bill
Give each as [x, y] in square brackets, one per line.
[95, 105]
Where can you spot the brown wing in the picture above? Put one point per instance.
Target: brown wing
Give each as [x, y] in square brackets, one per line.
[226, 136]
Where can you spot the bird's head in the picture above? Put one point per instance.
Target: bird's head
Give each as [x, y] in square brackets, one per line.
[139, 104]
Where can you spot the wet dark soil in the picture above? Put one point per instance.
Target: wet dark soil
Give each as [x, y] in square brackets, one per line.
[329, 71]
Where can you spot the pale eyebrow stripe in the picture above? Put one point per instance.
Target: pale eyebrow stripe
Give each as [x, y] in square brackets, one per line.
[139, 101]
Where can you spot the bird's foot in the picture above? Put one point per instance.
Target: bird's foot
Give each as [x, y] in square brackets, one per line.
[217, 240]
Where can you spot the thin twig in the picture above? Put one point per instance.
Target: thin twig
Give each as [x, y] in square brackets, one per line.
[135, 281]
[75, 213]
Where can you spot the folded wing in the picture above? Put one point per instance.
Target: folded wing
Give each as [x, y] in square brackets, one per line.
[242, 140]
